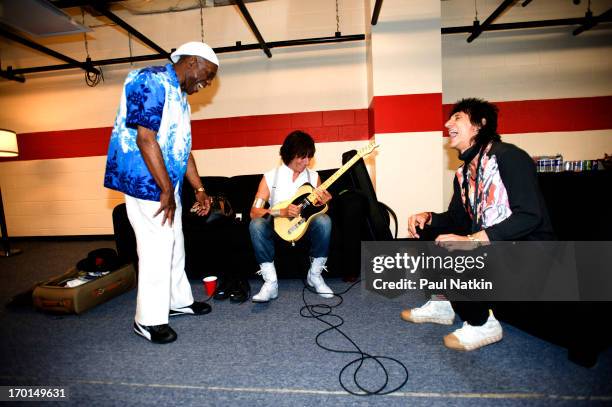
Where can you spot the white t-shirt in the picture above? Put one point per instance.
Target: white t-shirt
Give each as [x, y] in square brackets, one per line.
[283, 187]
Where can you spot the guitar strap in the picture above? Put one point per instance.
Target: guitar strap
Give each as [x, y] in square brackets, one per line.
[273, 189]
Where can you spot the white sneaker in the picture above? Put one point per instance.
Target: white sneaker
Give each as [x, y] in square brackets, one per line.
[435, 311]
[471, 337]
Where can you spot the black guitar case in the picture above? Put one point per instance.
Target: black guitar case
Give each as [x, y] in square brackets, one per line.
[377, 221]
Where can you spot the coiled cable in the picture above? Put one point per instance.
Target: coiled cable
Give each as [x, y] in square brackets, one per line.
[323, 313]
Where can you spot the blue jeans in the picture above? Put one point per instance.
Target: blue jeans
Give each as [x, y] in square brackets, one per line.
[262, 237]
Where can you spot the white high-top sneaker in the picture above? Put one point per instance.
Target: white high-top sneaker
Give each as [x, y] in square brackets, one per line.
[470, 337]
[315, 280]
[269, 289]
[435, 311]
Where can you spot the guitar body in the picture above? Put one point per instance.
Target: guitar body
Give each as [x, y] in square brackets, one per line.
[292, 229]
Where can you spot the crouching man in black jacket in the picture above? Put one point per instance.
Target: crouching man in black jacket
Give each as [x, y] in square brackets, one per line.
[496, 197]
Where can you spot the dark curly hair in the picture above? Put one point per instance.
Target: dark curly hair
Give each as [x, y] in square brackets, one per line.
[479, 111]
[297, 144]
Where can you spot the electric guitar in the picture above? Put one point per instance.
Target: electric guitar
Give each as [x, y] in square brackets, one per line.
[292, 229]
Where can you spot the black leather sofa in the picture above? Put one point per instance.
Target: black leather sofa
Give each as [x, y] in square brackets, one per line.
[579, 208]
[224, 245]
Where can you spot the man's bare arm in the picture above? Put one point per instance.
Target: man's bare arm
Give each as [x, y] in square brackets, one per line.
[151, 153]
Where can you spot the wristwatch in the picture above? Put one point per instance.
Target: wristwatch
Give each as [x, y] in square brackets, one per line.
[201, 189]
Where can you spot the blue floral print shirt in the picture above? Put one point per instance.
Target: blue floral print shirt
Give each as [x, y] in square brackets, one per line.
[151, 98]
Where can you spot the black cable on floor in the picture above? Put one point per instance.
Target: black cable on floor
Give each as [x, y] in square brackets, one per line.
[322, 311]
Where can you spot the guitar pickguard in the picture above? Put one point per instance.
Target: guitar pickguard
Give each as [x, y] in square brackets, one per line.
[308, 208]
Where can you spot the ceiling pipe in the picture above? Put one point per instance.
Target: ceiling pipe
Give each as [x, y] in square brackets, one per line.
[590, 21]
[247, 16]
[376, 12]
[219, 50]
[498, 11]
[102, 8]
[73, 62]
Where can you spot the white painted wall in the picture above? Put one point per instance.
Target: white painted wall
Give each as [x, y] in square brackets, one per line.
[57, 197]
[406, 59]
[295, 79]
[547, 63]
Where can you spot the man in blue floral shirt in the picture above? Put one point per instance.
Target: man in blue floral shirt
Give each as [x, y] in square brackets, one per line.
[148, 156]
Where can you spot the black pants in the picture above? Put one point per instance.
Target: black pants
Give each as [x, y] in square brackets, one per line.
[474, 313]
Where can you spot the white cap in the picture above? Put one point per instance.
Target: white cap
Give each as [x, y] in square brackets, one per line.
[195, 48]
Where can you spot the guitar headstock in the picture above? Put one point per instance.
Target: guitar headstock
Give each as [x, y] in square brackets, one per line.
[367, 149]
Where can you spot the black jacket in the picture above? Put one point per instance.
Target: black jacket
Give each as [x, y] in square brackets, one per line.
[529, 219]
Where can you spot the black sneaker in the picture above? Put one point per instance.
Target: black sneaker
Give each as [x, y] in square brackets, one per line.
[222, 292]
[240, 292]
[196, 308]
[155, 333]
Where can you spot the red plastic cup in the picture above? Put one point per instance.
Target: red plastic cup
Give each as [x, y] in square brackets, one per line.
[210, 285]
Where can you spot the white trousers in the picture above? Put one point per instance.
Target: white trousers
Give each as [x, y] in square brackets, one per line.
[162, 282]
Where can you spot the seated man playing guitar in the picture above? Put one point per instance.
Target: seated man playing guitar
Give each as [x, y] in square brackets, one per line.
[281, 184]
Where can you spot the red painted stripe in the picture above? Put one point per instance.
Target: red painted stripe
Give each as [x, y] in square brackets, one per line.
[387, 114]
[244, 131]
[63, 143]
[406, 113]
[550, 115]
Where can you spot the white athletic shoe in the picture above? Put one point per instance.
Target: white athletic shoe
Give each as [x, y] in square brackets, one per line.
[470, 337]
[435, 311]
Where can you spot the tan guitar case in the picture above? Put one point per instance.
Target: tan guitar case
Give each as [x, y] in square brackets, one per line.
[51, 296]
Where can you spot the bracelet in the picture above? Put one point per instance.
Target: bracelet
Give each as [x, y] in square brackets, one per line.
[259, 203]
[201, 189]
[275, 212]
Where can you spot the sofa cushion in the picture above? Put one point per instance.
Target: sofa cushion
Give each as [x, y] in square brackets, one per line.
[241, 191]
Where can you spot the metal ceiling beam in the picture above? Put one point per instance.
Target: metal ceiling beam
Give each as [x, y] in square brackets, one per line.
[78, 3]
[376, 12]
[219, 50]
[73, 62]
[8, 74]
[590, 21]
[521, 25]
[247, 16]
[478, 29]
[515, 26]
[102, 8]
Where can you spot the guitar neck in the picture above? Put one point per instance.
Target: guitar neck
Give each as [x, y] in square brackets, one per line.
[336, 175]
